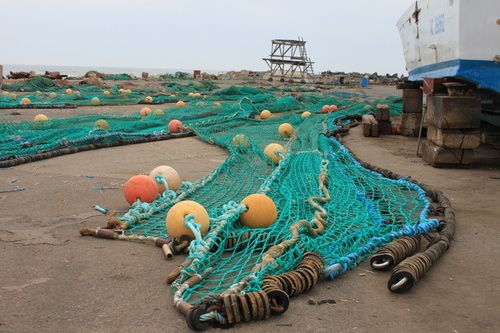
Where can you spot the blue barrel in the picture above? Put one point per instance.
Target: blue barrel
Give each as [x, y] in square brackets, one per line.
[364, 82]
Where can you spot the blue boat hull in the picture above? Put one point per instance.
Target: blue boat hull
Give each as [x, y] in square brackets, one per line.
[483, 74]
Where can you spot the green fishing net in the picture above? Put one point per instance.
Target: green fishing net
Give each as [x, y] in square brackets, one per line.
[360, 210]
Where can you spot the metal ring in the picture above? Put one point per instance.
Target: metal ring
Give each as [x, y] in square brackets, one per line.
[399, 284]
[378, 265]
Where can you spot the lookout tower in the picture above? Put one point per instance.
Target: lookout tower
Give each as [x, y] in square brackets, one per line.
[288, 61]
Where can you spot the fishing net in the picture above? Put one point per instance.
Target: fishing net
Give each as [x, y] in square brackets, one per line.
[327, 202]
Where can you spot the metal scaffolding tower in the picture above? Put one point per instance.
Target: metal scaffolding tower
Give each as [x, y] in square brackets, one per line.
[289, 61]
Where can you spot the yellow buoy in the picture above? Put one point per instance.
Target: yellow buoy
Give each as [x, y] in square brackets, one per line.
[106, 93]
[158, 112]
[265, 114]
[145, 111]
[217, 104]
[102, 124]
[240, 141]
[180, 104]
[171, 176]
[53, 95]
[41, 117]
[69, 91]
[95, 100]
[176, 214]
[261, 211]
[148, 99]
[285, 129]
[25, 100]
[271, 149]
[305, 115]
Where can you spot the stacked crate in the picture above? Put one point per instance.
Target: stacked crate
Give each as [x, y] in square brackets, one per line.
[452, 130]
[411, 117]
[383, 116]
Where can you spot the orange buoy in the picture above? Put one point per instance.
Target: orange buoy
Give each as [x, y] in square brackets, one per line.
[261, 211]
[170, 175]
[175, 126]
[305, 114]
[145, 111]
[106, 93]
[265, 114]
[41, 117]
[271, 149]
[325, 108]
[285, 129]
[176, 214]
[53, 95]
[26, 100]
[180, 104]
[69, 91]
[333, 108]
[140, 187]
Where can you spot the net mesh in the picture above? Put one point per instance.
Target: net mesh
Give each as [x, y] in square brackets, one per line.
[316, 185]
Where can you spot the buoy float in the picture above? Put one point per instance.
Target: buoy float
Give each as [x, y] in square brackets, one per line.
[148, 99]
[140, 187]
[333, 108]
[305, 114]
[265, 114]
[102, 124]
[240, 141]
[325, 108]
[217, 104]
[285, 129]
[25, 100]
[271, 149]
[158, 112]
[176, 214]
[261, 211]
[106, 93]
[69, 91]
[170, 175]
[53, 95]
[41, 117]
[95, 100]
[145, 111]
[180, 104]
[175, 126]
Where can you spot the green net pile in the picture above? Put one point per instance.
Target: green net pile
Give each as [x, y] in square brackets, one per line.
[364, 210]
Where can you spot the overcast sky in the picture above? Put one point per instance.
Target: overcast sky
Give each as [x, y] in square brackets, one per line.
[218, 35]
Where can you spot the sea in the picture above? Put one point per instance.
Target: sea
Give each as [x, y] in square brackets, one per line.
[79, 71]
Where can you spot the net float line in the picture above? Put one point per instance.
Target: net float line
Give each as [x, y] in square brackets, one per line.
[298, 281]
[17, 160]
[170, 246]
[393, 253]
[233, 308]
[412, 269]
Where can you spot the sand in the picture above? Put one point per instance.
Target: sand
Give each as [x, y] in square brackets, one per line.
[54, 280]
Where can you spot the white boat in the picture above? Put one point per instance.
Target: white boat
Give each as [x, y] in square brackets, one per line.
[453, 39]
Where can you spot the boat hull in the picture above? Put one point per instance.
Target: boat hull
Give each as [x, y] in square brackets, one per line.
[453, 38]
